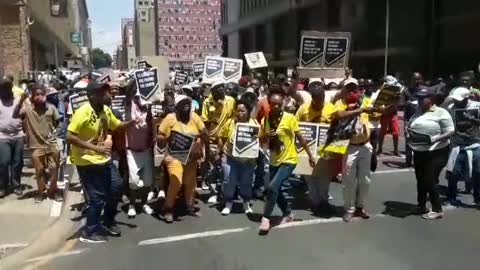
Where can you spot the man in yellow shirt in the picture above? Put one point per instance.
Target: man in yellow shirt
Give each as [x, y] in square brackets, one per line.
[321, 112]
[88, 133]
[356, 167]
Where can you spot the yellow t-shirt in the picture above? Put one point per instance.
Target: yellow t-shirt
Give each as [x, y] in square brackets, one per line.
[228, 134]
[308, 114]
[217, 114]
[89, 126]
[170, 123]
[286, 130]
[363, 130]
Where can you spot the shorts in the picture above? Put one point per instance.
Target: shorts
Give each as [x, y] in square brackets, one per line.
[140, 168]
[390, 125]
[45, 159]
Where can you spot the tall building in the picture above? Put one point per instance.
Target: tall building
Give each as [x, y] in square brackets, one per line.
[128, 55]
[40, 34]
[431, 36]
[145, 36]
[187, 30]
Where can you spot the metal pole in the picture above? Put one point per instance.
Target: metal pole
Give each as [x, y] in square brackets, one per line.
[387, 37]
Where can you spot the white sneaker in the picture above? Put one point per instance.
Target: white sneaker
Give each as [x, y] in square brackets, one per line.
[140, 184]
[161, 194]
[131, 212]
[432, 215]
[247, 208]
[228, 209]
[212, 199]
[147, 209]
[204, 186]
[150, 196]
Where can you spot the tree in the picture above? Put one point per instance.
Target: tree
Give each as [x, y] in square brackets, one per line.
[101, 59]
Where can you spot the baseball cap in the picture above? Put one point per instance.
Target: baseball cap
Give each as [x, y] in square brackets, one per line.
[218, 84]
[350, 81]
[460, 93]
[392, 81]
[180, 98]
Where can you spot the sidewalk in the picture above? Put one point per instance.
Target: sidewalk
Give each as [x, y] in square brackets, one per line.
[22, 220]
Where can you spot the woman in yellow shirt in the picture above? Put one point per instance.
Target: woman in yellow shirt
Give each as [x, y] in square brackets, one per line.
[278, 132]
[189, 123]
[238, 171]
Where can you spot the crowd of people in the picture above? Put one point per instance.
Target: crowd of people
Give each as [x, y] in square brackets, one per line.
[114, 151]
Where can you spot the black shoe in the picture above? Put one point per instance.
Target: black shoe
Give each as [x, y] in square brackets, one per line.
[18, 191]
[39, 197]
[92, 238]
[112, 230]
[422, 210]
[57, 196]
[3, 193]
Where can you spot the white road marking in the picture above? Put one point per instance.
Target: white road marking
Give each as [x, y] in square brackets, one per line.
[190, 236]
[58, 255]
[394, 171]
[13, 245]
[316, 221]
[56, 209]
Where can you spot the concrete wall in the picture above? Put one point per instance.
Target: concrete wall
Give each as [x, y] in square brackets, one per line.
[145, 38]
[11, 53]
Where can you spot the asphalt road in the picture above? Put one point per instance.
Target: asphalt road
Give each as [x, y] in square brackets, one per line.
[392, 239]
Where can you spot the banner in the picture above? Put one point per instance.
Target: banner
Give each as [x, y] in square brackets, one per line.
[220, 69]
[118, 104]
[77, 101]
[245, 141]
[198, 69]
[181, 77]
[309, 133]
[256, 60]
[387, 96]
[147, 82]
[180, 145]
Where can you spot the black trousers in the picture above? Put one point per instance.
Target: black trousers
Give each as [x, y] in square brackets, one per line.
[428, 166]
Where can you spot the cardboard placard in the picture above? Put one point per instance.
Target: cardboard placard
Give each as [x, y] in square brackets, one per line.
[386, 97]
[157, 109]
[77, 101]
[309, 132]
[197, 69]
[232, 70]
[324, 54]
[181, 77]
[180, 145]
[118, 104]
[337, 146]
[147, 82]
[256, 60]
[220, 69]
[245, 141]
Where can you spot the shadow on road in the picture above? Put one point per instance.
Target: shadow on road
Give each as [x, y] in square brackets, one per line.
[399, 209]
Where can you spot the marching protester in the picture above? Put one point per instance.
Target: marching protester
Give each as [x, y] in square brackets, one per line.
[186, 122]
[239, 172]
[322, 112]
[389, 119]
[357, 160]
[464, 160]
[41, 121]
[11, 142]
[88, 134]
[429, 131]
[278, 132]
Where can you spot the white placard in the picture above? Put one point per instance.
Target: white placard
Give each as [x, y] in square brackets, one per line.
[256, 60]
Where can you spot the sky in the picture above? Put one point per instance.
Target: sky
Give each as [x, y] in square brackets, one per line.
[105, 16]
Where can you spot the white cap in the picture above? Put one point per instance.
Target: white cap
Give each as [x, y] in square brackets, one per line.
[350, 81]
[392, 81]
[460, 93]
[180, 98]
[188, 87]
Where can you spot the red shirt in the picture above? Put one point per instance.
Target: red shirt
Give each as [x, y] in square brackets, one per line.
[263, 109]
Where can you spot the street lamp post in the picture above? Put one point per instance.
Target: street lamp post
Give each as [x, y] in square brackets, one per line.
[387, 36]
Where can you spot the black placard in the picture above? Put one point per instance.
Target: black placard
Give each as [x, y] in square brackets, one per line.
[336, 50]
[245, 143]
[312, 49]
[322, 134]
[77, 101]
[147, 82]
[309, 133]
[181, 77]
[198, 69]
[213, 67]
[418, 139]
[180, 145]
[232, 69]
[118, 104]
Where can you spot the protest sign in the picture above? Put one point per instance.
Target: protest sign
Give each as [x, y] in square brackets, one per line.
[232, 70]
[415, 138]
[220, 69]
[180, 145]
[309, 133]
[324, 54]
[143, 64]
[387, 96]
[118, 104]
[256, 60]
[147, 82]
[181, 77]
[197, 69]
[245, 141]
[77, 101]
[157, 109]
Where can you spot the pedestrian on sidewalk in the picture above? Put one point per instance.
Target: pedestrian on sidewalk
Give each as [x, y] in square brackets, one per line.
[429, 131]
[357, 160]
[88, 133]
[41, 120]
[278, 132]
[11, 142]
[186, 122]
[239, 172]
[321, 112]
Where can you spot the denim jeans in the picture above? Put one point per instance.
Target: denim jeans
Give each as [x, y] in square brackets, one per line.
[460, 173]
[240, 175]
[11, 163]
[279, 176]
[102, 186]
